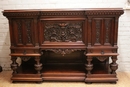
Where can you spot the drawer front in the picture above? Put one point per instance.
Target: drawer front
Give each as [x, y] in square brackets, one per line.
[25, 51]
[102, 51]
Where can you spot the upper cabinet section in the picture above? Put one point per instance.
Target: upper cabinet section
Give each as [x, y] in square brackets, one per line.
[86, 27]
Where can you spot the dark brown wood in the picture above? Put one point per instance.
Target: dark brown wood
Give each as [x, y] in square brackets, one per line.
[0, 69]
[64, 44]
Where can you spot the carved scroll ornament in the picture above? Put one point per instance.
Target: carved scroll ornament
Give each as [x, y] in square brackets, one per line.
[63, 51]
[102, 58]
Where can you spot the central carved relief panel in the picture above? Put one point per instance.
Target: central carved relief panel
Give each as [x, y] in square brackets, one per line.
[63, 31]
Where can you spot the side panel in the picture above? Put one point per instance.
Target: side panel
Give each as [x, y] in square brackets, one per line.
[102, 31]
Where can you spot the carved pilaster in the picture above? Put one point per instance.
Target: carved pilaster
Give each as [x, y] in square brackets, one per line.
[113, 65]
[14, 65]
[89, 31]
[116, 30]
[38, 65]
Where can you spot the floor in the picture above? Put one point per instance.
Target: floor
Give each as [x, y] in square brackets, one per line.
[124, 81]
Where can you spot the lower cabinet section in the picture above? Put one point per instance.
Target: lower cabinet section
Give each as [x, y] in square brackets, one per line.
[67, 71]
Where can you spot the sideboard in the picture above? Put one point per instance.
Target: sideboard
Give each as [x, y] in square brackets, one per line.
[64, 44]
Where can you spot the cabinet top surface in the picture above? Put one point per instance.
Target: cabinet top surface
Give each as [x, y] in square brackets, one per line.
[64, 9]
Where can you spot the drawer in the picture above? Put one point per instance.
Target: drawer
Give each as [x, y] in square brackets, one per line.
[25, 51]
[102, 51]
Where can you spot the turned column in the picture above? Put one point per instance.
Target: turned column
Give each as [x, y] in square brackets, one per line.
[38, 65]
[113, 65]
[14, 65]
[89, 65]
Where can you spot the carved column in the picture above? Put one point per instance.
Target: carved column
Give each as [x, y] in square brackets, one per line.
[89, 65]
[113, 65]
[38, 65]
[14, 65]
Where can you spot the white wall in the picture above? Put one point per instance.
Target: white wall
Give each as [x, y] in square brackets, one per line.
[124, 24]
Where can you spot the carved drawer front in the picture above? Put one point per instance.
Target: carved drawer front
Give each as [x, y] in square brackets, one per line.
[62, 31]
[23, 32]
[102, 31]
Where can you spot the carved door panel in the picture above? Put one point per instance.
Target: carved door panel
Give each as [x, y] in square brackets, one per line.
[102, 31]
[61, 31]
[23, 32]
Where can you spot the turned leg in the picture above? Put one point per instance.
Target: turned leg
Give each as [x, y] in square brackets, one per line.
[14, 65]
[89, 65]
[38, 65]
[113, 65]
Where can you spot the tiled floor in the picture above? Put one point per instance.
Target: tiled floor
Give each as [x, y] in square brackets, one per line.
[124, 81]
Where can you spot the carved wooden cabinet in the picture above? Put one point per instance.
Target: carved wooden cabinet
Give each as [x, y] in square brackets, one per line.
[64, 44]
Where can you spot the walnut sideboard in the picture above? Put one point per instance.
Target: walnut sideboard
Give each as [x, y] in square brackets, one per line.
[64, 44]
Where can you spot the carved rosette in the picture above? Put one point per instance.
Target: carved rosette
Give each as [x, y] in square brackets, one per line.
[63, 51]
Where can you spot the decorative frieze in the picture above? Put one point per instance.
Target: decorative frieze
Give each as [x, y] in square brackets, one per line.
[63, 51]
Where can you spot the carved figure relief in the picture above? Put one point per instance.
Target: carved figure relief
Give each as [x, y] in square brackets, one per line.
[63, 31]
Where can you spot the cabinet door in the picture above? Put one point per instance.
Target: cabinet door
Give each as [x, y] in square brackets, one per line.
[102, 31]
[61, 31]
[23, 32]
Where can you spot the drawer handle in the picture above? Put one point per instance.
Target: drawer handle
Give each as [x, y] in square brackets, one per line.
[102, 52]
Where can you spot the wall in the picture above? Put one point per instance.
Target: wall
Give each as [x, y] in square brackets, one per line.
[124, 24]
